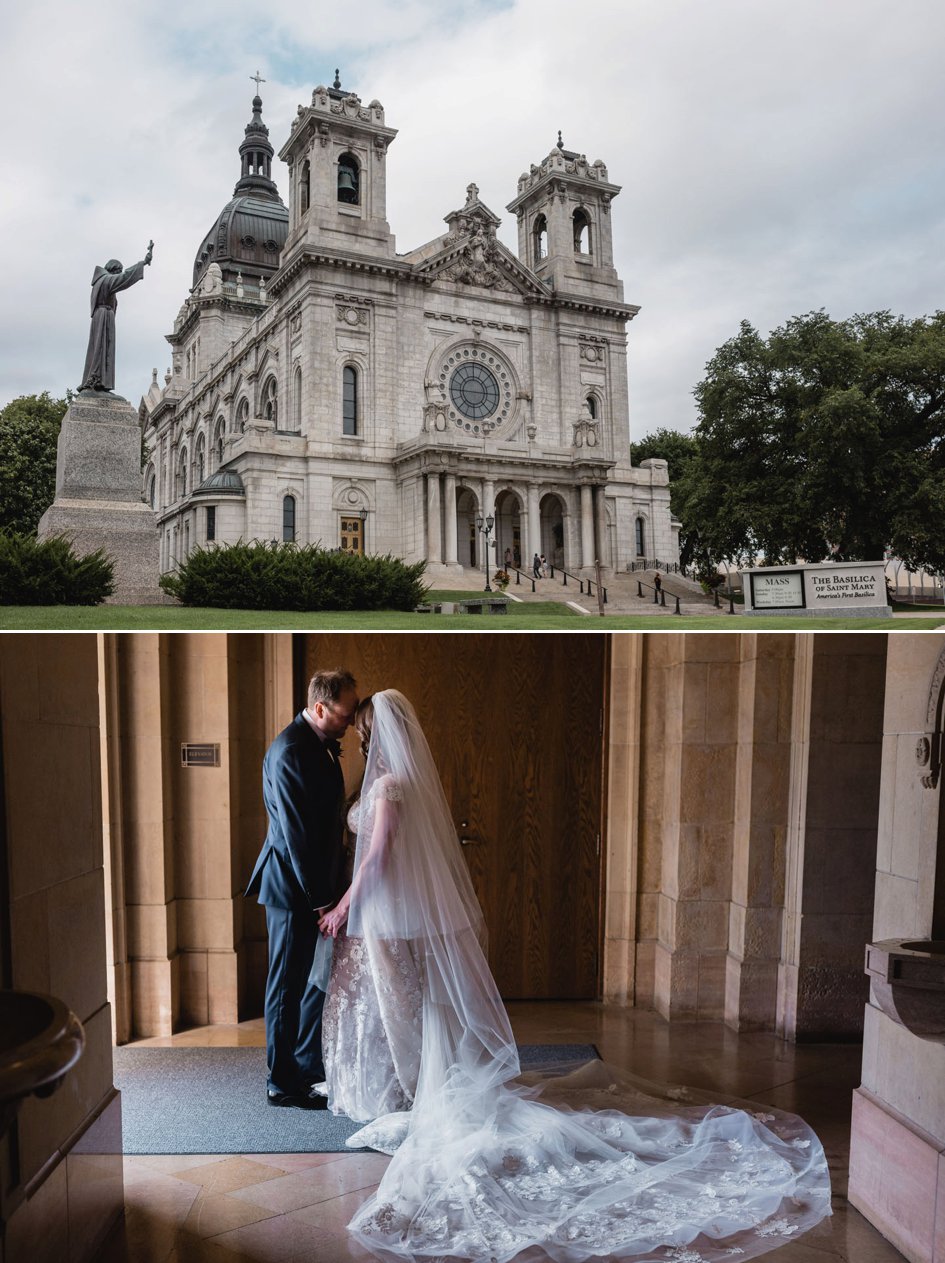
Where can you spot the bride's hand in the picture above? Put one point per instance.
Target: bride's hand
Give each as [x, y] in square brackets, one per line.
[333, 920]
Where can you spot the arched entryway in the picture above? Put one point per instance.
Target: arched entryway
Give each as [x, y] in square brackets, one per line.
[467, 541]
[509, 512]
[553, 531]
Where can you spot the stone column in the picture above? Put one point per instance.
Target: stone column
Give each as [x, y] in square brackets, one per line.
[600, 515]
[762, 778]
[698, 678]
[623, 816]
[837, 729]
[533, 544]
[587, 524]
[449, 510]
[487, 508]
[189, 835]
[434, 555]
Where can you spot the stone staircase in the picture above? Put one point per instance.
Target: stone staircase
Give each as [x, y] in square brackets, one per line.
[622, 593]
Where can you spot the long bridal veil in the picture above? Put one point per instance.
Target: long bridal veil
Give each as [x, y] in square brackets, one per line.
[491, 1165]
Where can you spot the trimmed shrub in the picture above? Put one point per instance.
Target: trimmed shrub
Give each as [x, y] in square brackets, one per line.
[47, 572]
[276, 576]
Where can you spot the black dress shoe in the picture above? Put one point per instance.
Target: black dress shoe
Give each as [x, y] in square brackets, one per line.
[296, 1100]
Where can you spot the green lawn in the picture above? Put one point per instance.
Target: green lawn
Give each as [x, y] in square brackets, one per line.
[521, 616]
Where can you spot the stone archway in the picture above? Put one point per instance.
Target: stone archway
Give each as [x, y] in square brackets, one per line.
[509, 515]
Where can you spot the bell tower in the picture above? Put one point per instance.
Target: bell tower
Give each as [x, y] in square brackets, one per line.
[337, 158]
[564, 228]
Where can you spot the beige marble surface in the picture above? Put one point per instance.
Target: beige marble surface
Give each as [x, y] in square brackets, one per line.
[283, 1208]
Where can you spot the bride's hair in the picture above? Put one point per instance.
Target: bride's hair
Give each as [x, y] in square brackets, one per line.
[364, 722]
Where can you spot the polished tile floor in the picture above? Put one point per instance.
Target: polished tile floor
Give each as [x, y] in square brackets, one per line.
[286, 1208]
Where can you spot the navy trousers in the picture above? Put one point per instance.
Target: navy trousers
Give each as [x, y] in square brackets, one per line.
[293, 1004]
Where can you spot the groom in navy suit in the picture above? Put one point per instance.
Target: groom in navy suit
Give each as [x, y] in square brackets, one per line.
[297, 879]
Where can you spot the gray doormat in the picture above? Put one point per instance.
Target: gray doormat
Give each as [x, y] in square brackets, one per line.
[213, 1100]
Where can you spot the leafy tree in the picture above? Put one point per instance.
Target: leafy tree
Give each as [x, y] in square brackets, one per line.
[678, 450]
[670, 445]
[828, 439]
[29, 432]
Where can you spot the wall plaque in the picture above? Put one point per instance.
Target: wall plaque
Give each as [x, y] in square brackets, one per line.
[200, 754]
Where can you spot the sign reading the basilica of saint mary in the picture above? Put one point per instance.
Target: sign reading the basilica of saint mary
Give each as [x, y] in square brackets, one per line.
[844, 588]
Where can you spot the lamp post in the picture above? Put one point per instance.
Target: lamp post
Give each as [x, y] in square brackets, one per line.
[362, 514]
[484, 526]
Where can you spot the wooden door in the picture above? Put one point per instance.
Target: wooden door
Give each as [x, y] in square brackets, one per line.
[352, 535]
[516, 726]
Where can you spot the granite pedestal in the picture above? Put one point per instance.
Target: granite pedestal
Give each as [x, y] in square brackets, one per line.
[98, 500]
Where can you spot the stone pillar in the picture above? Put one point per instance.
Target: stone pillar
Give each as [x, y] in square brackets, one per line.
[623, 797]
[762, 778]
[534, 526]
[699, 679]
[99, 501]
[487, 509]
[189, 835]
[587, 524]
[600, 516]
[449, 511]
[831, 837]
[434, 555]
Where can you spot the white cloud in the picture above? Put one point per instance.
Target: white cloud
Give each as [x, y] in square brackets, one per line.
[774, 157]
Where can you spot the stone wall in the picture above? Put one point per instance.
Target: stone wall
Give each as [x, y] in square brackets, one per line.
[897, 1157]
[61, 1168]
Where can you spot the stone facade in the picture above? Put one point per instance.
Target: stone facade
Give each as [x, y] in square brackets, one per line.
[367, 399]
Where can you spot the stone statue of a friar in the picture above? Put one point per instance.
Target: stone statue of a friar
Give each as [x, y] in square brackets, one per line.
[99, 372]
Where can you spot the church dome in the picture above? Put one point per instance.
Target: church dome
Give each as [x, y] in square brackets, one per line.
[250, 231]
[225, 482]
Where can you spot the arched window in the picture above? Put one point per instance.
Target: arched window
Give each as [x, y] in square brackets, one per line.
[540, 238]
[349, 410]
[305, 186]
[271, 403]
[181, 487]
[641, 543]
[216, 452]
[288, 519]
[592, 406]
[349, 180]
[242, 416]
[297, 402]
[582, 232]
[152, 488]
[200, 461]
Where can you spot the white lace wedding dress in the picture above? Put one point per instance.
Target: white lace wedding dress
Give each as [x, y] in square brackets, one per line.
[489, 1164]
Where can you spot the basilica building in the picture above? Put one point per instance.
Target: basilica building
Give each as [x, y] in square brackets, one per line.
[327, 389]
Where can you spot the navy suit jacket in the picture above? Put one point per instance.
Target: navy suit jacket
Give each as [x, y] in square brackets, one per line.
[301, 863]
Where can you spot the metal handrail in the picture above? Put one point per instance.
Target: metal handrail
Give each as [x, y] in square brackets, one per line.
[659, 595]
[520, 575]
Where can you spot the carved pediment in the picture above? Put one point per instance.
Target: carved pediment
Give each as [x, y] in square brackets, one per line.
[478, 258]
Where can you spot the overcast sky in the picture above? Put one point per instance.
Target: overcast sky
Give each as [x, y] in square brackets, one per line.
[775, 156]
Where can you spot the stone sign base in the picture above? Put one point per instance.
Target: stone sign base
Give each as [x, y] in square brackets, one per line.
[98, 500]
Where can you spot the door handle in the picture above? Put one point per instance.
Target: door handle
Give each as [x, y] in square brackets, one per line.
[467, 841]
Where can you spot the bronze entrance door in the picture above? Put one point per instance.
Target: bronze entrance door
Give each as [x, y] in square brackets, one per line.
[516, 725]
[352, 535]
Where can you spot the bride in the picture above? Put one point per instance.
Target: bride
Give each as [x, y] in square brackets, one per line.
[489, 1164]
